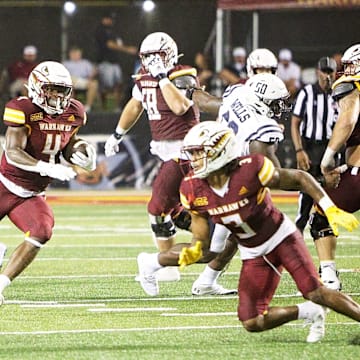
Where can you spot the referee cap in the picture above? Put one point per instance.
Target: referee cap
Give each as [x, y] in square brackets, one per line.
[327, 64]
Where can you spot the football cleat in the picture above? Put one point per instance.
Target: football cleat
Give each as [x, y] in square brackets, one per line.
[316, 317]
[147, 277]
[213, 289]
[2, 300]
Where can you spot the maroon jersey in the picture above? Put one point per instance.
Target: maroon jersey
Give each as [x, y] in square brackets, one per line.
[47, 136]
[246, 208]
[164, 124]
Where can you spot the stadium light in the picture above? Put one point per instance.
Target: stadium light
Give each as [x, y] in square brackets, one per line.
[69, 7]
[148, 5]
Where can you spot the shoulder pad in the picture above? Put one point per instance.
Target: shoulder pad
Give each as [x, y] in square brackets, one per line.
[342, 89]
[184, 82]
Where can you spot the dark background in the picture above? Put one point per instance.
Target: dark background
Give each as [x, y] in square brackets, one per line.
[310, 34]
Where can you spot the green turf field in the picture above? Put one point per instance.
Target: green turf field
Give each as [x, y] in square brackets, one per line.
[78, 300]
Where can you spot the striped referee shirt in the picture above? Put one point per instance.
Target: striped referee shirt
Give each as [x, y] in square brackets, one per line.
[318, 112]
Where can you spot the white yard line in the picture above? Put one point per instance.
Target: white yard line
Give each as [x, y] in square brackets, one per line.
[150, 329]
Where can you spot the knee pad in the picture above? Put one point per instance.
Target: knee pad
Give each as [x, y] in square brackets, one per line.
[183, 220]
[319, 226]
[162, 226]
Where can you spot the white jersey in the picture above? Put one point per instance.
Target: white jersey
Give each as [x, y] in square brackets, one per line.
[240, 114]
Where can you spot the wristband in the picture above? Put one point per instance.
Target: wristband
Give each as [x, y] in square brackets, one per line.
[328, 157]
[164, 81]
[325, 202]
[299, 150]
[119, 132]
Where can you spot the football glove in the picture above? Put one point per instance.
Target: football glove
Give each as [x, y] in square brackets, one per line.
[340, 217]
[190, 255]
[87, 162]
[56, 171]
[157, 68]
[112, 144]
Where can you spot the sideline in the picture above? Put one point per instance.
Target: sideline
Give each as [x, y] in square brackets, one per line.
[133, 196]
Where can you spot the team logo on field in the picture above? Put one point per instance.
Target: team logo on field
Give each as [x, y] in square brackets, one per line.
[37, 116]
[201, 201]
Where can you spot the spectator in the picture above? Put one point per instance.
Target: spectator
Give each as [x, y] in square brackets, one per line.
[109, 45]
[236, 71]
[289, 72]
[204, 71]
[83, 74]
[17, 73]
[314, 116]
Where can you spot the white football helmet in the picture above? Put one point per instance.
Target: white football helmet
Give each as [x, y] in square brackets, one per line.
[351, 60]
[272, 93]
[209, 145]
[50, 87]
[261, 59]
[159, 43]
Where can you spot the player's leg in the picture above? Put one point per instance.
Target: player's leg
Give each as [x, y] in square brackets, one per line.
[305, 205]
[165, 198]
[258, 282]
[226, 247]
[34, 217]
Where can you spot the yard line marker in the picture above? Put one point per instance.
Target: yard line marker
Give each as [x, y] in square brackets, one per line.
[58, 305]
[132, 309]
[151, 329]
[200, 314]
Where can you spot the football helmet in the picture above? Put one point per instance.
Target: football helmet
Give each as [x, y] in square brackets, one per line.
[272, 93]
[209, 145]
[351, 60]
[50, 87]
[261, 59]
[158, 43]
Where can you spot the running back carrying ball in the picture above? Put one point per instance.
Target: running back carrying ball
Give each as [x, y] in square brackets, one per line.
[81, 153]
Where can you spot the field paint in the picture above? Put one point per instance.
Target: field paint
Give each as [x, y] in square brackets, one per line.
[125, 310]
[199, 314]
[57, 305]
[122, 330]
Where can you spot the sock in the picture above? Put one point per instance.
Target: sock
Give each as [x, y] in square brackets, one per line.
[4, 282]
[153, 263]
[208, 276]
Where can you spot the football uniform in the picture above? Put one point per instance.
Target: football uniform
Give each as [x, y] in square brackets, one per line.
[350, 179]
[20, 189]
[240, 114]
[167, 132]
[267, 239]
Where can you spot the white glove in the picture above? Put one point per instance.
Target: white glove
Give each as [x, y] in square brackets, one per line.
[56, 171]
[87, 162]
[112, 144]
[157, 68]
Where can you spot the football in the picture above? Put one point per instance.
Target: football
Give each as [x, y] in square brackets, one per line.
[72, 147]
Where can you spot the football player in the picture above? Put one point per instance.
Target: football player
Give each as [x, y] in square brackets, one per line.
[346, 90]
[160, 89]
[39, 127]
[234, 192]
[251, 111]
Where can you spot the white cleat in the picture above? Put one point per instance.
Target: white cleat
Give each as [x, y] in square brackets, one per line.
[330, 277]
[213, 289]
[2, 300]
[147, 277]
[168, 273]
[317, 320]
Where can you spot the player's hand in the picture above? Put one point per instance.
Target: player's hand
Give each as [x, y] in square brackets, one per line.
[156, 67]
[190, 255]
[303, 161]
[56, 171]
[340, 217]
[112, 144]
[87, 162]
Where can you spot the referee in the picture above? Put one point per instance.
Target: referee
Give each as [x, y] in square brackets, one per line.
[313, 118]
